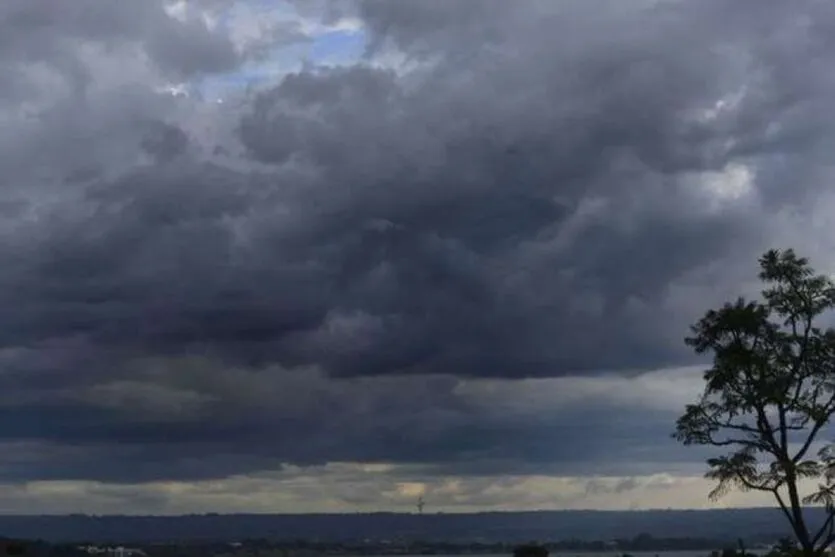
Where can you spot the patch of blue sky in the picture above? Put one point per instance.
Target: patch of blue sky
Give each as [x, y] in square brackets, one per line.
[272, 67]
[331, 48]
[338, 47]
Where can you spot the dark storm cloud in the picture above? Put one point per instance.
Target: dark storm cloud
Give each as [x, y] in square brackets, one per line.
[432, 234]
[189, 419]
[529, 201]
[41, 31]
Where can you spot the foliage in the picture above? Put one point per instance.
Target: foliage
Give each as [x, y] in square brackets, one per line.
[770, 393]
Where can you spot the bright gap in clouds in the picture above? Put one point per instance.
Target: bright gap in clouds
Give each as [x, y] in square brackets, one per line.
[286, 41]
[345, 487]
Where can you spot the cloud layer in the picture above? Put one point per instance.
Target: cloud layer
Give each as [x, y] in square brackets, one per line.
[473, 251]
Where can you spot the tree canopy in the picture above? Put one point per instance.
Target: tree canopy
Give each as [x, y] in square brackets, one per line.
[770, 394]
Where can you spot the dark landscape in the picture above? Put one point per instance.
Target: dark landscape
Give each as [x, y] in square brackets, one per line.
[752, 525]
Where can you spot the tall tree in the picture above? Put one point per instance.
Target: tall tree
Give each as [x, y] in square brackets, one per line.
[769, 395]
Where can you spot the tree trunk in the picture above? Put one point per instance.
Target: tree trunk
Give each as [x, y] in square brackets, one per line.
[798, 520]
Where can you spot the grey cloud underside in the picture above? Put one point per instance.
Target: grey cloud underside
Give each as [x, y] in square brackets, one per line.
[177, 421]
[525, 204]
[42, 32]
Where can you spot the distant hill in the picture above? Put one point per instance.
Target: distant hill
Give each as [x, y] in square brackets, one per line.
[753, 525]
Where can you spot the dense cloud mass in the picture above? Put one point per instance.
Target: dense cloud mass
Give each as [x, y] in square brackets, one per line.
[474, 250]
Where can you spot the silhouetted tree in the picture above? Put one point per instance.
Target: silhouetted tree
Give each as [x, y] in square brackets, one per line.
[769, 393]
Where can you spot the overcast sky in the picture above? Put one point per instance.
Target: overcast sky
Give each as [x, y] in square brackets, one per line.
[335, 254]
